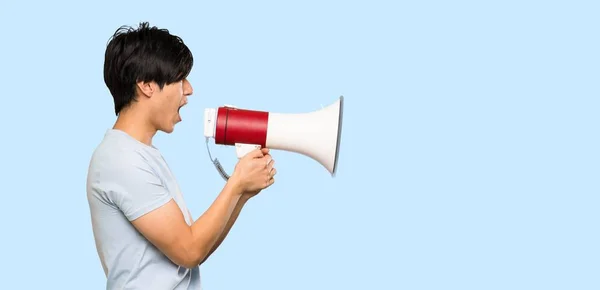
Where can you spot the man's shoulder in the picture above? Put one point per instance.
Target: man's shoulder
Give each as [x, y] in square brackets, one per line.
[114, 149]
[117, 153]
[124, 174]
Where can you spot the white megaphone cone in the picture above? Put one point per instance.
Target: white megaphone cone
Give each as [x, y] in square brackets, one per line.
[314, 134]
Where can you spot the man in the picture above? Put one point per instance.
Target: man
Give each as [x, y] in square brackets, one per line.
[144, 233]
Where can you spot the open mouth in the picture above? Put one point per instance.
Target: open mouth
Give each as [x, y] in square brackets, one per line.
[179, 110]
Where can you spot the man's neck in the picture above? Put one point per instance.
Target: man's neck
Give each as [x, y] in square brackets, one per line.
[136, 125]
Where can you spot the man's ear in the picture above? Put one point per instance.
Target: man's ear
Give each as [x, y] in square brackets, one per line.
[146, 89]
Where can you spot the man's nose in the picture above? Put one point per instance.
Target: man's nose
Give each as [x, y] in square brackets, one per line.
[188, 89]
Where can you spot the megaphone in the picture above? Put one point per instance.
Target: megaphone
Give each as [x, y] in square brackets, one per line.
[314, 134]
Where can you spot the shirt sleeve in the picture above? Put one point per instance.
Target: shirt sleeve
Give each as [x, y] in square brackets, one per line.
[135, 188]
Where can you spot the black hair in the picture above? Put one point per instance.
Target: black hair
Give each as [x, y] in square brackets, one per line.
[143, 54]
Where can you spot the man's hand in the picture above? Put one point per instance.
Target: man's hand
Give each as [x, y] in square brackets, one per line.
[254, 172]
[249, 194]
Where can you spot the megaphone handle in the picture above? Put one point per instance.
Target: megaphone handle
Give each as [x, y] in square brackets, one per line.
[242, 149]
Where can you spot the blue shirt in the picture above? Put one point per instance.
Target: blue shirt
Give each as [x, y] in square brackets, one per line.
[127, 179]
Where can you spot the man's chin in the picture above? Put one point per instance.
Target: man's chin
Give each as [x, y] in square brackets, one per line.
[169, 130]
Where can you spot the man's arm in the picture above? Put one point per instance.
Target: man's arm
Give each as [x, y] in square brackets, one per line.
[236, 212]
[185, 245]
[148, 205]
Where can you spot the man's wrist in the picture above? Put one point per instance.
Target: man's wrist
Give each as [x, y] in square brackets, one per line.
[246, 196]
[235, 187]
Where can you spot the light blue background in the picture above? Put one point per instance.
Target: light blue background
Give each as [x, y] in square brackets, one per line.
[469, 156]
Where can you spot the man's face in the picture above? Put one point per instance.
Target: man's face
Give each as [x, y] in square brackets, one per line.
[167, 104]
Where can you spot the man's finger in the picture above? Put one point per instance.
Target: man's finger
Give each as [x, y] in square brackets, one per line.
[270, 163]
[255, 153]
[269, 160]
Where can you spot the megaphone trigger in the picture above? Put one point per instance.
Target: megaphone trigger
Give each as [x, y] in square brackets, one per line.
[242, 149]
